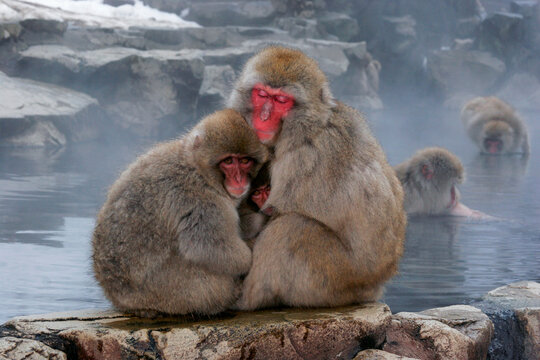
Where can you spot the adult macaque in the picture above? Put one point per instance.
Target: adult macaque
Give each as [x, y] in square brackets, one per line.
[495, 127]
[338, 225]
[167, 239]
[252, 220]
[429, 180]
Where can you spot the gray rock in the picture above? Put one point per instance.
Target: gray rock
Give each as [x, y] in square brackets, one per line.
[503, 34]
[528, 8]
[272, 334]
[454, 332]
[453, 70]
[22, 349]
[144, 92]
[222, 13]
[215, 88]
[37, 114]
[342, 26]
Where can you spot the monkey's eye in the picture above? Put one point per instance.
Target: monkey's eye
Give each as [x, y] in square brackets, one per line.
[256, 193]
[262, 93]
[245, 160]
[282, 99]
[228, 160]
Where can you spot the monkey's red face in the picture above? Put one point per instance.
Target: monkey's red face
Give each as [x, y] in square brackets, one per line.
[269, 107]
[236, 170]
[260, 195]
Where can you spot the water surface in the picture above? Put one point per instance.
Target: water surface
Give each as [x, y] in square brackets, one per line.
[49, 199]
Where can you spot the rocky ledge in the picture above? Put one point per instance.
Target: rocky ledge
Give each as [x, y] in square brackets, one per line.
[370, 331]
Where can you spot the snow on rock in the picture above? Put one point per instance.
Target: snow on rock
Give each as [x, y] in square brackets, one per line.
[91, 13]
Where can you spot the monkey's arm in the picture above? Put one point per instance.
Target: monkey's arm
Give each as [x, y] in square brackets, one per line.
[208, 236]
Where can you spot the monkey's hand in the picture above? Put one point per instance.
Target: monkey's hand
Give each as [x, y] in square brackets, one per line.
[269, 210]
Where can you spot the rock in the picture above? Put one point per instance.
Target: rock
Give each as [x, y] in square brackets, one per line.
[528, 9]
[522, 90]
[342, 26]
[41, 25]
[222, 13]
[37, 114]
[145, 92]
[215, 88]
[503, 34]
[529, 322]
[22, 349]
[373, 354]
[299, 27]
[453, 70]
[272, 334]
[515, 312]
[454, 332]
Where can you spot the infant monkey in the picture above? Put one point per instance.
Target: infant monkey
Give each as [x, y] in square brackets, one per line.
[167, 239]
[252, 219]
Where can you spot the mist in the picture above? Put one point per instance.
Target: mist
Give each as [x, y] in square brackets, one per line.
[86, 86]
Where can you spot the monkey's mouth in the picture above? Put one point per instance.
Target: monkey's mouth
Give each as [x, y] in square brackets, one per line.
[493, 145]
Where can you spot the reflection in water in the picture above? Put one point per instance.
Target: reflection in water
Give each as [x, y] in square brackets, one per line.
[49, 200]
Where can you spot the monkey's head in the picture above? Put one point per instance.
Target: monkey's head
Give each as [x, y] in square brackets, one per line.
[439, 171]
[260, 188]
[278, 85]
[497, 137]
[226, 152]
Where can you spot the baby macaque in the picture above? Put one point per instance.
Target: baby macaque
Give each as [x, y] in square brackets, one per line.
[167, 240]
[429, 180]
[495, 127]
[252, 219]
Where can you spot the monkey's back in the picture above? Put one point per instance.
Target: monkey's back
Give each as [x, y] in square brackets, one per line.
[136, 237]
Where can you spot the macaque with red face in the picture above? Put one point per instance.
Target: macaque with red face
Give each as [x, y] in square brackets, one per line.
[495, 127]
[167, 240]
[429, 180]
[337, 227]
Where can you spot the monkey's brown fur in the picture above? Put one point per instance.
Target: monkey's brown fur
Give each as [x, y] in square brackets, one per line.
[339, 227]
[167, 238]
[491, 118]
[430, 196]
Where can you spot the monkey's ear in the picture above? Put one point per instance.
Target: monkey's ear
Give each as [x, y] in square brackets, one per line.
[327, 97]
[427, 172]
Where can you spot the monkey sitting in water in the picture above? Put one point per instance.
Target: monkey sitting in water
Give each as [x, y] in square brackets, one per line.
[429, 180]
[167, 239]
[494, 126]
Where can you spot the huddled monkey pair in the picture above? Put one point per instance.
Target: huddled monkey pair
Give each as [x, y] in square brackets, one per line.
[430, 177]
[169, 236]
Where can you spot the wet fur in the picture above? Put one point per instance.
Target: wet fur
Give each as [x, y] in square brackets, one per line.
[167, 238]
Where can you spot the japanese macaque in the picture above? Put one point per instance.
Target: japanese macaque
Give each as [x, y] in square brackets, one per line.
[495, 127]
[337, 227]
[429, 180]
[167, 239]
[252, 220]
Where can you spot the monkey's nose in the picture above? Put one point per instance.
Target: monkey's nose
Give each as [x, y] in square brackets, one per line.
[266, 111]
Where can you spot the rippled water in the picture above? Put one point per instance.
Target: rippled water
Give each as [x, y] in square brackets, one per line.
[48, 202]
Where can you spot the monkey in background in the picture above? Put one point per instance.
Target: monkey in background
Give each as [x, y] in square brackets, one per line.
[495, 127]
[429, 179]
[252, 219]
[337, 227]
[167, 239]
